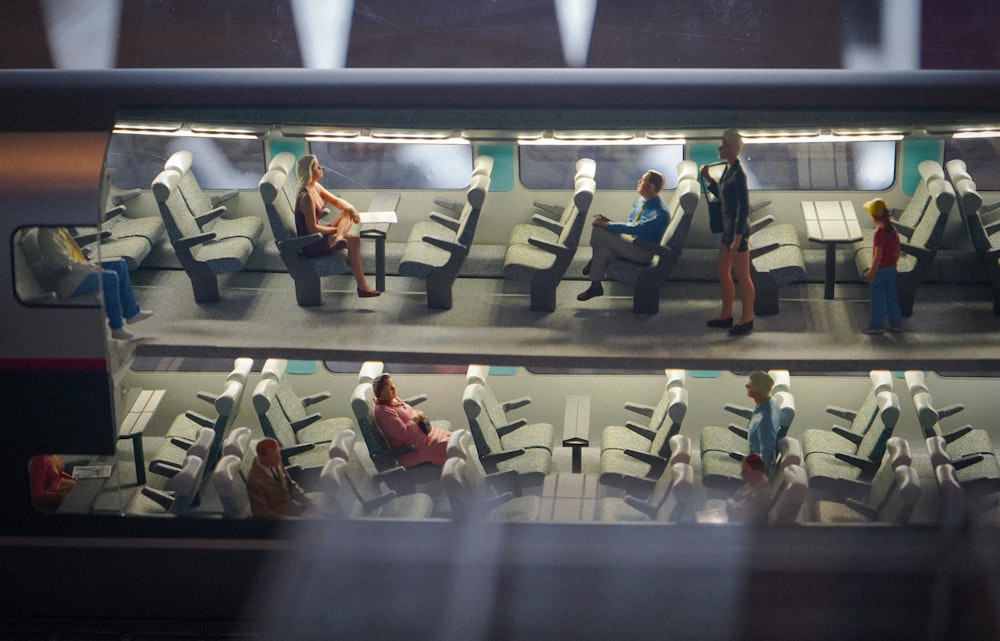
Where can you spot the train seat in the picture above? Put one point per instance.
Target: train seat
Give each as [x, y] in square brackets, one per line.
[961, 442]
[829, 509]
[308, 426]
[305, 455]
[511, 433]
[977, 472]
[130, 238]
[436, 249]
[351, 492]
[229, 481]
[791, 486]
[502, 450]
[305, 271]
[474, 494]
[894, 494]
[840, 472]
[185, 486]
[981, 225]
[633, 451]
[647, 280]
[669, 502]
[169, 457]
[840, 439]
[204, 250]
[920, 241]
[772, 266]
[544, 262]
[30, 285]
[544, 226]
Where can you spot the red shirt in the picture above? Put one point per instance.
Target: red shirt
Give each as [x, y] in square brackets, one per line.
[889, 242]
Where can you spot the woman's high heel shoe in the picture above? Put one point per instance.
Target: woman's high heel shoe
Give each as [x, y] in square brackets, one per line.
[371, 293]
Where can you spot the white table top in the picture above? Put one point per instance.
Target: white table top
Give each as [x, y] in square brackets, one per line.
[831, 221]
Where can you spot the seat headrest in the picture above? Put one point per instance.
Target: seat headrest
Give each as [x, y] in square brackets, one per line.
[453, 473]
[180, 162]
[971, 199]
[898, 451]
[888, 404]
[186, 482]
[370, 370]
[470, 400]
[956, 166]
[680, 449]
[782, 380]
[936, 449]
[915, 381]
[226, 470]
[683, 480]
[585, 168]
[881, 379]
[790, 451]
[477, 374]
[227, 403]
[943, 195]
[165, 182]
[270, 184]
[263, 395]
[483, 166]
[362, 401]
[584, 194]
[342, 444]
[236, 443]
[786, 408]
[930, 170]
[675, 377]
[458, 444]
[202, 442]
[927, 415]
[283, 162]
[476, 194]
[946, 479]
[333, 475]
[678, 404]
[274, 368]
[687, 170]
[241, 369]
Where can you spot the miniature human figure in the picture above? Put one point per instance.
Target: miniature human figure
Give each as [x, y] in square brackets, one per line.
[309, 209]
[610, 240]
[762, 431]
[271, 491]
[882, 273]
[752, 501]
[49, 481]
[734, 201]
[65, 268]
[403, 425]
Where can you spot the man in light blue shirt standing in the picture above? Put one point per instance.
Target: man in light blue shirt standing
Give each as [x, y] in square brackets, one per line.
[762, 435]
[610, 240]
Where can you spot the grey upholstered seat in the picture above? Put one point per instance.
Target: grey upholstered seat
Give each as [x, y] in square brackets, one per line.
[839, 439]
[530, 457]
[545, 227]
[229, 475]
[543, 262]
[308, 426]
[206, 245]
[436, 249]
[274, 187]
[122, 235]
[510, 433]
[670, 501]
[304, 454]
[980, 223]
[891, 498]
[184, 487]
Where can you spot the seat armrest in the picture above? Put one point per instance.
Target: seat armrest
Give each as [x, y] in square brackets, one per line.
[739, 410]
[641, 430]
[546, 223]
[953, 436]
[863, 464]
[557, 249]
[441, 219]
[638, 486]
[494, 502]
[841, 412]
[190, 241]
[739, 431]
[292, 450]
[449, 246]
[164, 468]
[312, 399]
[864, 510]
[966, 461]
[504, 430]
[508, 482]
[498, 457]
[760, 204]
[951, 410]
[112, 213]
[764, 249]
[208, 397]
[295, 243]
[161, 497]
[991, 228]
[86, 239]
[920, 253]
[305, 421]
[736, 456]
[209, 216]
[988, 207]
[905, 230]
[447, 203]
[374, 503]
[648, 458]
[760, 223]
[515, 403]
[549, 207]
[200, 419]
[417, 399]
[641, 505]
[853, 437]
[389, 475]
[644, 410]
[181, 442]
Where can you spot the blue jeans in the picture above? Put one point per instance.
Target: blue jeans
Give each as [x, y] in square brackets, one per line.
[119, 301]
[884, 298]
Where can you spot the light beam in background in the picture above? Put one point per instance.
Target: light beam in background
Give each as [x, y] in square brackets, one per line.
[576, 24]
[324, 31]
[899, 40]
[83, 34]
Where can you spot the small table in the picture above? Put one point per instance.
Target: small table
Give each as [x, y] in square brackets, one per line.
[134, 424]
[382, 205]
[568, 497]
[576, 427]
[831, 222]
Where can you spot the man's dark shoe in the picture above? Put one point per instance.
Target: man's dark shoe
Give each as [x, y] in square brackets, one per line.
[593, 291]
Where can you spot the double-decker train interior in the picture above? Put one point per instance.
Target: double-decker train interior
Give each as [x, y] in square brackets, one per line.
[592, 451]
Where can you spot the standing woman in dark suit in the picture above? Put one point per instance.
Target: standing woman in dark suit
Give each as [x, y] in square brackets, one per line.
[731, 190]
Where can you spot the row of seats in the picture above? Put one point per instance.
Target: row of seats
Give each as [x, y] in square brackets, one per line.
[981, 224]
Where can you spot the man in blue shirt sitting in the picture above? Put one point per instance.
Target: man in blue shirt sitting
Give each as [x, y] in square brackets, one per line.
[610, 240]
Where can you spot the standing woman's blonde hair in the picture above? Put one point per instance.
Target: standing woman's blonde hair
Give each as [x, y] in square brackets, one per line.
[303, 169]
[734, 140]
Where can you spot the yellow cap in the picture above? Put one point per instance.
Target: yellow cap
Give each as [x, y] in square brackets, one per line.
[876, 207]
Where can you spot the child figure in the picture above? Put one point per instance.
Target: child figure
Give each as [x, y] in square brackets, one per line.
[882, 273]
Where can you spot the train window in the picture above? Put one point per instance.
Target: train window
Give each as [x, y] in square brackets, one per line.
[853, 166]
[43, 267]
[981, 156]
[551, 166]
[219, 162]
[394, 164]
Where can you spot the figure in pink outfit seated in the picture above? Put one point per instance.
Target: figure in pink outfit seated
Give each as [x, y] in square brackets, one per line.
[403, 425]
[50, 482]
